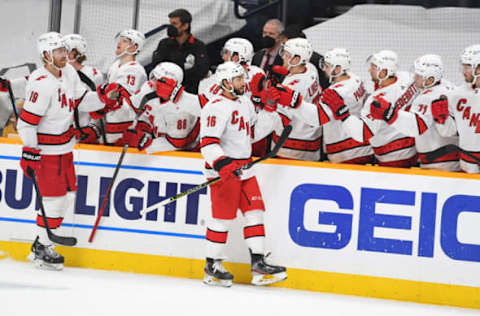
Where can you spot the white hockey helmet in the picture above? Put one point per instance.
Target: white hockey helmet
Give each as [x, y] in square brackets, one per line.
[429, 65]
[76, 41]
[300, 47]
[168, 70]
[337, 57]
[385, 59]
[242, 47]
[134, 36]
[47, 42]
[228, 71]
[471, 55]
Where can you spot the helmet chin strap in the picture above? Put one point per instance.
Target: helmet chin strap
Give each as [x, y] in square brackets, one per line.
[51, 63]
[126, 52]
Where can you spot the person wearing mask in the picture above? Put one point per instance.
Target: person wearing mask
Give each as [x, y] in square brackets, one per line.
[181, 47]
[271, 42]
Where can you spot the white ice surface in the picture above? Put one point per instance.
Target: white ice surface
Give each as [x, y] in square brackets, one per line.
[25, 290]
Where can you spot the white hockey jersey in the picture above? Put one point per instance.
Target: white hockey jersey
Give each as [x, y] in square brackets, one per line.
[174, 126]
[464, 107]
[228, 127]
[96, 79]
[419, 123]
[305, 140]
[338, 144]
[131, 76]
[391, 147]
[47, 117]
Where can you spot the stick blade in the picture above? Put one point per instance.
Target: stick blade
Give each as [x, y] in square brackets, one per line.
[62, 240]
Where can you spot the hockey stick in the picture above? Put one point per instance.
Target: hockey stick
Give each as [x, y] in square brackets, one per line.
[61, 240]
[143, 102]
[272, 153]
[450, 148]
[12, 99]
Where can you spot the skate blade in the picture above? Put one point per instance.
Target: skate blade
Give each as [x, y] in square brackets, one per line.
[266, 279]
[210, 280]
[39, 264]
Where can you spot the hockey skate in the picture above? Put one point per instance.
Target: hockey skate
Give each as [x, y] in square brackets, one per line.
[215, 274]
[45, 257]
[264, 273]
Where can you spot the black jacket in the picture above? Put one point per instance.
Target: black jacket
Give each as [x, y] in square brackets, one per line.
[258, 56]
[169, 50]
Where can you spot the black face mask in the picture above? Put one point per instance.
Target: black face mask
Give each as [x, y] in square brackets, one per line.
[268, 42]
[172, 31]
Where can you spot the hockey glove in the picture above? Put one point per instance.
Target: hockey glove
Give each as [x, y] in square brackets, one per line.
[111, 95]
[381, 109]
[440, 109]
[4, 83]
[227, 168]
[277, 74]
[335, 102]
[168, 90]
[30, 161]
[88, 134]
[257, 87]
[284, 96]
[137, 138]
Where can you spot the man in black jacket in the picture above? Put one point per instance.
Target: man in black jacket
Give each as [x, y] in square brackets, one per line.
[183, 49]
[271, 42]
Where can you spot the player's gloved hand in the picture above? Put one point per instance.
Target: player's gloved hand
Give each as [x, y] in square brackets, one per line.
[277, 74]
[111, 95]
[440, 109]
[137, 138]
[336, 103]
[4, 83]
[30, 161]
[284, 96]
[168, 89]
[257, 87]
[227, 168]
[88, 134]
[381, 109]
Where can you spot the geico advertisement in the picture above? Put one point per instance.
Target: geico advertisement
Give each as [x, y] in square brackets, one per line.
[363, 221]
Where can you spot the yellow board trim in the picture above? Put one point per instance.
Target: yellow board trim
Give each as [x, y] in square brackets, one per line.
[338, 283]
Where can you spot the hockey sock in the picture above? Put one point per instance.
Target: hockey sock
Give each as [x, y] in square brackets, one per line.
[54, 211]
[254, 231]
[217, 232]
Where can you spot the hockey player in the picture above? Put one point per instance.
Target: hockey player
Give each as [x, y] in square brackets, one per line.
[418, 121]
[130, 76]
[171, 121]
[391, 147]
[91, 78]
[47, 132]
[240, 51]
[346, 89]
[228, 125]
[305, 141]
[463, 115]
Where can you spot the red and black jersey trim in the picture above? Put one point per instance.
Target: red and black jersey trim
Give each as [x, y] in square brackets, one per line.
[453, 156]
[421, 125]
[322, 115]
[299, 144]
[395, 145]
[203, 100]
[405, 163]
[52, 139]
[117, 128]
[30, 118]
[464, 157]
[187, 140]
[208, 141]
[344, 145]
[367, 133]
